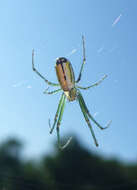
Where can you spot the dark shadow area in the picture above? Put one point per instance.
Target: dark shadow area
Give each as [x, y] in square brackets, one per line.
[74, 168]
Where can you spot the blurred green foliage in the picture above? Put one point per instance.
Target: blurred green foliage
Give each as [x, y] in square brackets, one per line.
[74, 168]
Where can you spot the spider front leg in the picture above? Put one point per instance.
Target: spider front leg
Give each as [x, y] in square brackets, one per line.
[58, 119]
[84, 60]
[57, 113]
[58, 125]
[86, 118]
[37, 72]
[88, 113]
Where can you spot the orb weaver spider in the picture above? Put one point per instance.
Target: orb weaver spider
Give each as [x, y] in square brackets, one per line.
[71, 92]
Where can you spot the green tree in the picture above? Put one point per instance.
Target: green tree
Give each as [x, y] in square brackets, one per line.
[74, 168]
[77, 168]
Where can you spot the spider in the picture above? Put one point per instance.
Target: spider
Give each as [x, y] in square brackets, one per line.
[71, 92]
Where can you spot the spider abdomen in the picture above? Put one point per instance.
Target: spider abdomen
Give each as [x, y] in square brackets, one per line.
[65, 74]
[66, 77]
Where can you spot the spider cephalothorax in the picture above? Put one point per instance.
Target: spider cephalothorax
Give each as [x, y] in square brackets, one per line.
[68, 85]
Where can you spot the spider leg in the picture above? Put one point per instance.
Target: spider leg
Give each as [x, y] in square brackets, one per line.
[52, 92]
[56, 116]
[87, 119]
[84, 60]
[95, 84]
[90, 116]
[58, 125]
[37, 72]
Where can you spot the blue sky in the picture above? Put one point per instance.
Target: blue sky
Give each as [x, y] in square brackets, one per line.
[53, 29]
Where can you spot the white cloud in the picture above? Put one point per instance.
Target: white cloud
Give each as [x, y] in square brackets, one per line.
[95, 114]
[18, 84]
[22, 84]
[100, 49]
[72, 52]
[29, 86]
[116, 20]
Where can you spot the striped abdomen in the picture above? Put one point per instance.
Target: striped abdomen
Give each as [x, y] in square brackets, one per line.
[65, 74]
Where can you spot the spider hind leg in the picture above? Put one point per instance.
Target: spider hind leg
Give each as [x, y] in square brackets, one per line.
[40, 75]
[84, 60]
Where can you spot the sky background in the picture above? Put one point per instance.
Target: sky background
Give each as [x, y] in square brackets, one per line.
[53, 29]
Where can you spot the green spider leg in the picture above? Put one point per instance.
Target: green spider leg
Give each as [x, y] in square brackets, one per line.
[58, 125]
[86, 118]
[95, 84]
[58, 119]
[37, 72]
[90, 116]
[57, 113]
[84, 60]
[52, 92]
